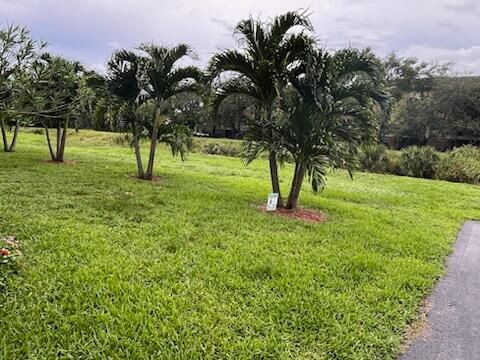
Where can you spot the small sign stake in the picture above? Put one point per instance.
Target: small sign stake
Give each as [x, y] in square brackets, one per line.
[272, 202]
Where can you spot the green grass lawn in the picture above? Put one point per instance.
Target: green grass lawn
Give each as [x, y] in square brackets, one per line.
[188, 268]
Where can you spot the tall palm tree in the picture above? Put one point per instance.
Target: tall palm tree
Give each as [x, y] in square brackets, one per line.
[163, 80]
[327, 112]
[259, 69]
[123, 81]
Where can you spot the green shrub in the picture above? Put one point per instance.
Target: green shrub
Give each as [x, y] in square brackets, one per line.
[393, 162]
[460, 165]
[37, 131]
[223, 147]
[418, 161]
[122, 139]
[374, 158]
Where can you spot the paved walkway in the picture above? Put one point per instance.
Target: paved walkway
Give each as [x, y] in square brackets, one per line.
[453, 326]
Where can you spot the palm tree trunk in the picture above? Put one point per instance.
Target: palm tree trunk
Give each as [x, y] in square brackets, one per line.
[272, 159]
[153, 146]
[297, 182]
[52, 154]
[138, 154]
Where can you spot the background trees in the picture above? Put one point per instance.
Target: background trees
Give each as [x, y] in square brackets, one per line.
[449, 115]
[52, 98]
[433, 105]
[18, 51]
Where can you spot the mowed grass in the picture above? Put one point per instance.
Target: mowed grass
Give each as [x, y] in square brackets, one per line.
[188, 268]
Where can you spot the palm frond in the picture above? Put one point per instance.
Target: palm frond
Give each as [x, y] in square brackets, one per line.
[231, 60]
[282, 24]
[185, 73]
[178, 137]
[237, 85]
[179, 52]
[353, 62]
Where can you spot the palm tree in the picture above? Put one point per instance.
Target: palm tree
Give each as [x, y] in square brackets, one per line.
[259, 69]
[163, 80]
[327, 112]
[123, 81]
[149, 80]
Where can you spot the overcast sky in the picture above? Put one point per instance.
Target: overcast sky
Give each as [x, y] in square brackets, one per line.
[89, 30]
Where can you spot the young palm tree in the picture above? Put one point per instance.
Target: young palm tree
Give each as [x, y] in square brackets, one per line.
[163, 79]
[328, 112]
[123, 82]
[150, 79]
[259, 69]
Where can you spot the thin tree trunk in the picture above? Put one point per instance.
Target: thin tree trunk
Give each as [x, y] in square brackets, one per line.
[138, 153]
[59, 136]
[4, 135]
[9, 147]
[274, 177]
[63, 141]
[153, 146]
[297, 182]
[52, 154]
[13, 144]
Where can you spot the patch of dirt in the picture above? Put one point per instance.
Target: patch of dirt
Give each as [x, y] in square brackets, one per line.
[418, 328]
[154, 179]
[65, 162]
[303, 214]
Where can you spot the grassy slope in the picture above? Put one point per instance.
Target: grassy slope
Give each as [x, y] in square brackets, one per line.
[188, 268]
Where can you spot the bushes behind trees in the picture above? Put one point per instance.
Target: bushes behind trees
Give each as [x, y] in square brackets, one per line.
[418, 161]
[459, 165]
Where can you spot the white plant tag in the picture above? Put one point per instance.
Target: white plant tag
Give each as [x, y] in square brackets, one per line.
[272, 202]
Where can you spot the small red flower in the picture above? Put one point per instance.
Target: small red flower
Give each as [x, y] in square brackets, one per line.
[4, 252]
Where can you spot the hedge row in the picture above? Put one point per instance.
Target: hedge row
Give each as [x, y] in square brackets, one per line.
[459, 165]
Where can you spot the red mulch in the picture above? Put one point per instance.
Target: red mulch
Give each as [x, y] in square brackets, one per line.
[303, 214]
[65, 162]
[154, 179]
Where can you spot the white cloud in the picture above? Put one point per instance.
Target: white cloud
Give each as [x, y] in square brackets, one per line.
[92, 29]
[465, 59]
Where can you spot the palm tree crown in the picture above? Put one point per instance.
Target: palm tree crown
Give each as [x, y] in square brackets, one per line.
[327, 112]
[262, 63]
[163, 78]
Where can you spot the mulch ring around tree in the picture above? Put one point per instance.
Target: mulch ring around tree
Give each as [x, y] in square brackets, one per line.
[302, 214]
[154, 179]
[64, 162]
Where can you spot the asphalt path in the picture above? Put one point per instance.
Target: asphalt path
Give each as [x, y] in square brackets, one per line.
[452, 331]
